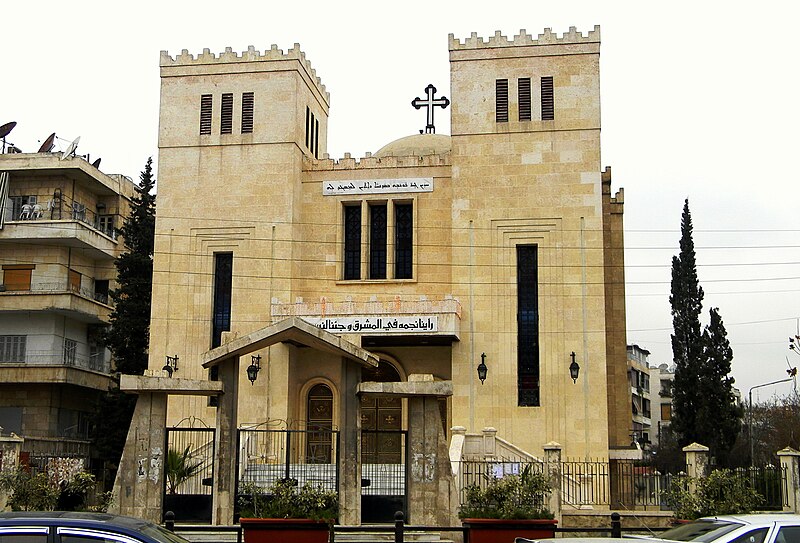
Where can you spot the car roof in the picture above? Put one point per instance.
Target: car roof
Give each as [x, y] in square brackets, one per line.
[756, 518]
[74, 518]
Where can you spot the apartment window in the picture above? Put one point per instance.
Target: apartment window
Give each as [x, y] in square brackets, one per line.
[247, 112]
[548, 107]
[646, 407]
[223, 287]
[17, 276]
[22, 206]
[105, 223]
[352, 242]
[666, 411]
[527, 326]
[74, 281]
[403, 241]
[501, 100]
[12, 348]
[206, 102]
[377, 241]
[78, 211]
[70, 351]
[101, 290]
[524, 92]
[226, 117]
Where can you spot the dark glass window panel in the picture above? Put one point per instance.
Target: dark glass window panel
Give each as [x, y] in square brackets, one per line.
[205, 113]
[524, 90]
[248, 103]
[527, 326]
[548, 104]
[223, 282]
[316, 139]
[403, 241]
[377, 241]
[226, 118]
[352, 242]
[501, 100]
[319, 443]
[308, 125]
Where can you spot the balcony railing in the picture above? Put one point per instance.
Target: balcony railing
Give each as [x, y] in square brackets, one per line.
[64, 287]
[67, 211]
[93, 362]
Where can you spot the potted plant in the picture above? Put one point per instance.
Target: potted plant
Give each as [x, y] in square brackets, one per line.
[288, 513]
[508, 507]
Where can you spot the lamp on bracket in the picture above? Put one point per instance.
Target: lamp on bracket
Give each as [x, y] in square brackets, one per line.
[574, 368]
[254, 368]
[482, 369]
[171, 366]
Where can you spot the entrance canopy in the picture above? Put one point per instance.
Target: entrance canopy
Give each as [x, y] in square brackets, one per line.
[292, 330]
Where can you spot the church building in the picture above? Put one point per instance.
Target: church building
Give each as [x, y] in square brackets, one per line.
[490, 260]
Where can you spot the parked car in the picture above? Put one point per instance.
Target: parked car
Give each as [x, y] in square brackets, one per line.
[755, 528]
[74, 527]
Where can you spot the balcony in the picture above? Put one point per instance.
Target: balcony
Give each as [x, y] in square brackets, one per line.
[53, 367]
[95, 362]
[70, 232]
[59, 297]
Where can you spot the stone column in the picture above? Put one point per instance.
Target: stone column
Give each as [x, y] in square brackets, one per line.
[224, 485]
[696, 460]
[489, 443]
[431, 478]
[139, 486]
[552, 459]
[350, 446]
[790, 464]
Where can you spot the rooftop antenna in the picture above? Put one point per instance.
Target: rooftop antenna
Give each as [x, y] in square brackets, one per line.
[71, 148]
[48, 144]
[4, 131]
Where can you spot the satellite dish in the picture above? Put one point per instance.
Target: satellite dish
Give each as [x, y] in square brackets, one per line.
[71, 148]
[96, 163]
[4, 130]
[48, 144]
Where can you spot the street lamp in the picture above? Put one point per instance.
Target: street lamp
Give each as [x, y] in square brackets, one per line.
[574, 368]
[254, 368]
[750, 401]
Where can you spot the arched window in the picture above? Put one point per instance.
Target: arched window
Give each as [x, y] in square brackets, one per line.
[320, 424]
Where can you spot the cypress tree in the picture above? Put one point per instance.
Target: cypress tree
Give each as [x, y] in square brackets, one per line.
[686, 300]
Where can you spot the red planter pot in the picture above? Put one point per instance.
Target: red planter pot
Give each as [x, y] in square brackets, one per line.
[289, 530]
[489, 530]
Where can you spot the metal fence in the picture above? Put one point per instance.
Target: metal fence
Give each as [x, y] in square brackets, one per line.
[479, 473]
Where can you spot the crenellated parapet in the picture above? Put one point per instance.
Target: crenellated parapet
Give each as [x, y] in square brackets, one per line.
[251, 55]
[371, 162]
[523, 39]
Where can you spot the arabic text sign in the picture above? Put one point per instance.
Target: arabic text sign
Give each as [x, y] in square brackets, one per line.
[367, 325]
[377, 186]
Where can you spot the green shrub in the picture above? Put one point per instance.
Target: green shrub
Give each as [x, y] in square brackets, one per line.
[722, 492]
[522, 496]
[286, 500]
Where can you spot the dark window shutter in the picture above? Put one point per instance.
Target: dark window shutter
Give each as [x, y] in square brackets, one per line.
[548, 108]
[247, 112]
[205, 113]
[524, 89]
[527, 326]
[226, 120]
[501, 97]
[403, 241]
[352, 242]
[377, 241]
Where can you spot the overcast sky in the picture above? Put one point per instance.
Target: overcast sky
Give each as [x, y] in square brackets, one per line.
[699, 101]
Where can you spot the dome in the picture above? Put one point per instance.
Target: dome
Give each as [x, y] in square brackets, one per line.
[416, 145]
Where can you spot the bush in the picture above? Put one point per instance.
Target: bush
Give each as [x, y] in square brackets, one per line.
[722, 492]
[286, 500]
[521, 496]
[38, 492]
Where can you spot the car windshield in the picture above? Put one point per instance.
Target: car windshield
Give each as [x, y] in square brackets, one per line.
[701, 531]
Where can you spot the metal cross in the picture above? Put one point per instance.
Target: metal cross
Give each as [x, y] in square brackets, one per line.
[429, 103]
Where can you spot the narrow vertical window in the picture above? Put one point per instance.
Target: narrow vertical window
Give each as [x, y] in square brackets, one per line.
[403, 241]
[308, 126]
[223, 283]
[205, 113]
[247, 112]
[226, 118]
[527, 326]
[501, 100]
[316, 139]
[74, 281]
[70, 350]
[377, 241]
[548, 107]
[352, 242]
[524, 91]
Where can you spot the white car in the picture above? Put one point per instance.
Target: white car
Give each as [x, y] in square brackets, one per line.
[756, 528]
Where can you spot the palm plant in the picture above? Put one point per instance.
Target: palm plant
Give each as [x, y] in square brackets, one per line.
[180, 468]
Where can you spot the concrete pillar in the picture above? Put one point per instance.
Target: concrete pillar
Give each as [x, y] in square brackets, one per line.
[224, 485]
[431, 479]
[350, 446]
[790, 464]
[139, 486]
[489, 443]
[552, 459]
[696, 460]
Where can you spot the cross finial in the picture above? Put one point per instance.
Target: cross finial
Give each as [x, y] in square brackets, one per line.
[429, 102]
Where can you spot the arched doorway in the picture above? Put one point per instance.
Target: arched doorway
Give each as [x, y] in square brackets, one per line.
[319, 409]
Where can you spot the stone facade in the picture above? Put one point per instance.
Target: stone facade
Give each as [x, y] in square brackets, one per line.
[273, 199]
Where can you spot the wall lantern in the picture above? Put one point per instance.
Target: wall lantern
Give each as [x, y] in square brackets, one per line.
[254, 368]
[574, 368]
[171, 366]
[482, 369]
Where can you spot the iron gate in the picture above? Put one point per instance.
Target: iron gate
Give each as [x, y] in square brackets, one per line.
[384, 474]
[188, 473]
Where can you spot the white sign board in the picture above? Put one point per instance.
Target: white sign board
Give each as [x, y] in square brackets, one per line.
[372, 325]
[377, 186]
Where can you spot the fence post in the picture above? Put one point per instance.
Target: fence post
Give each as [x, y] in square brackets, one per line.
[696, 460]
[489, 443]
[552, 458]
[790, 466]
[398, 527]
[169, 521]
[616, 525]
